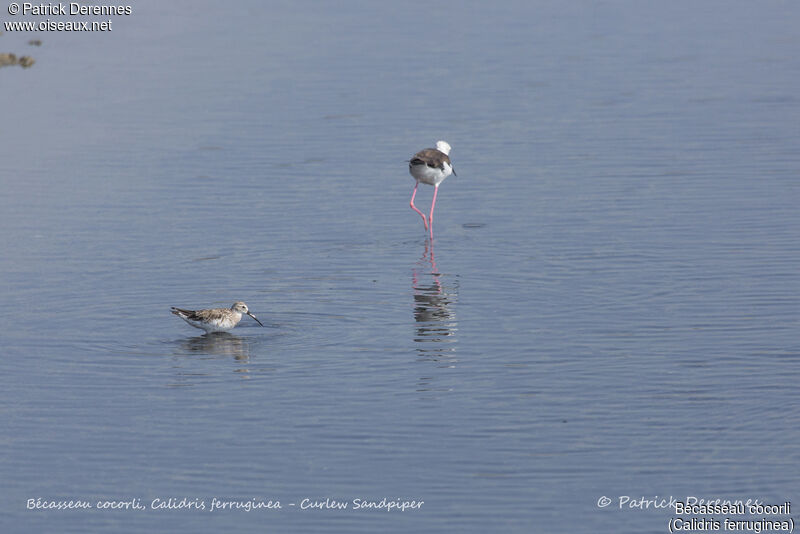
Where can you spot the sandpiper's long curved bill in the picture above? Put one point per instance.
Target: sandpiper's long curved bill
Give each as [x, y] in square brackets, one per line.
[255, 318]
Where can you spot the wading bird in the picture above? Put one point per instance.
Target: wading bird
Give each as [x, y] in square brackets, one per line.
[430, 166]
[217, 319]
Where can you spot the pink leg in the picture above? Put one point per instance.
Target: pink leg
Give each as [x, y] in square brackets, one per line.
[433, 203]
[413, 207]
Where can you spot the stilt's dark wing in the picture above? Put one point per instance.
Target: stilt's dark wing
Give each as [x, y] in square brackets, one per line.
[430, 157]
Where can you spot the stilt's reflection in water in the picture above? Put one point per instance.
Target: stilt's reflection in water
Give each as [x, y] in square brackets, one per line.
[434, 313]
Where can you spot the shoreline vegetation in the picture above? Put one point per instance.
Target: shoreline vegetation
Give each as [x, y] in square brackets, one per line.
[8, 59]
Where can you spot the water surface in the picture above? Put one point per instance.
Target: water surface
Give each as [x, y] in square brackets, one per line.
[609, 307]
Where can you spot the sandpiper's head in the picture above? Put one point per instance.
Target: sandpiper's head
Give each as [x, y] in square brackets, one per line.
[443, 147]
[241, 307]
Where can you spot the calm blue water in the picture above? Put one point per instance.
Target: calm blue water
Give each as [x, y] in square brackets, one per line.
[610, 306]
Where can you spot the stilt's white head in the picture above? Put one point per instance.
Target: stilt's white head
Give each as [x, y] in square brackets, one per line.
[443, 147]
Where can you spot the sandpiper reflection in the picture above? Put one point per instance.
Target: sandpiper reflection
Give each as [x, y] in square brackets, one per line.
[434, 311]
[209, 346]
[218, 344]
